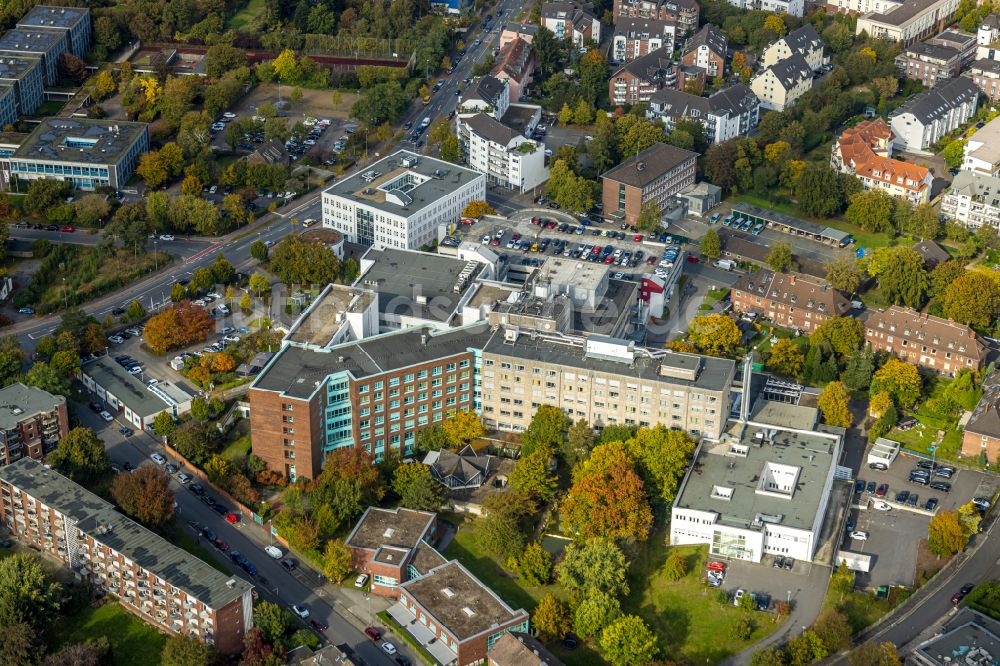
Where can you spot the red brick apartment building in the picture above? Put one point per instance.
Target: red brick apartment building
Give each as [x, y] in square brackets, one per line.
[637, 80]
[655, 174]
[793, 301]
[164, 585]
[707, 50]
[982, 432]
[376, 393]
[939, 344]
[393, 546]
[32, 422]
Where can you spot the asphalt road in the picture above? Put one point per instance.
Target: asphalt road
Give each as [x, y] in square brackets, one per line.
[272, 581]
[182, 247]
[154, 291]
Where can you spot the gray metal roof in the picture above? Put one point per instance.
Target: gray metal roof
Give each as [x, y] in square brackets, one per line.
[982, 188]
[81, 140]
[803, 40]
[13, 68]
[642, 169]
[491, 129]
[150, 551]
[31, 40]
[711, 37]
[44, 16]
[437, 179]
[298, 372]
[19, 402]
[939, 100]
[791, 71]
[114, 378]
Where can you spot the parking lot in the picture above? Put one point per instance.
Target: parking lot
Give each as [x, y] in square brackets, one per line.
[893, 535]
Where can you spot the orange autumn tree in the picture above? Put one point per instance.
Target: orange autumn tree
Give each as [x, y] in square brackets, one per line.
[181, 325]
[607, 498]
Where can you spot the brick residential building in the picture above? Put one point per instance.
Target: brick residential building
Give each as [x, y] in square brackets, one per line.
[986, 74]
[375, 393]
[152, 578]
[684, 13]
[938, 344]
[463, 617]
[32, 422]
[865, 151]
[516, 64]
[655, 174]
[789, 300]
[982, 432]
[938, 58]
[636, 37]
[394, 546]
[573, 21]
[707, 50]
[636, 81]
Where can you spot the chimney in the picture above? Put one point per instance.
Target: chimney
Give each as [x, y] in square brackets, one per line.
[340, 359]
[791, 279]
[424, 338]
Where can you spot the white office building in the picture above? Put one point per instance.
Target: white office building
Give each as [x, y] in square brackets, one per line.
[401, 201]
[925, 118]
[504, 155]
[762, 488]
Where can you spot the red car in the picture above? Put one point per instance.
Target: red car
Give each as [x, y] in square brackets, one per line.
[232, 518]
[550, 225]
[536, 221]
[468, 221]
[373, 633]
[651, 260]
[68, 229]
[716, 566]
[638, 238]
[609, 259]
[221, 545]
[693, 259]
[516, 237]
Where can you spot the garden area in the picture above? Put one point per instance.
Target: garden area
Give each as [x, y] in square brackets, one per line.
[940, 411]
[133, 642]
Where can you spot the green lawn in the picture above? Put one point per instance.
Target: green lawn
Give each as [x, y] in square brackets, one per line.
[246, 15]
[687, 616]
[693, 627]
[50, 108]
[925, 434]
[237, 449]
[133, 642]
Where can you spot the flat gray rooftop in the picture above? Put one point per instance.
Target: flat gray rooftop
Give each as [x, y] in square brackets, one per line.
[711, 374]
[18, 402]
[297, 371]
[114, 378]
[903, 13]
[806, 458]
[148, 550]
[969, 637]
[416, 284]
[396, 528]
[459, 602]
[401, 190]
[618, 300]
[80, 140]
[13, 68]
[31, 40]
[317, 325]
[45, 16]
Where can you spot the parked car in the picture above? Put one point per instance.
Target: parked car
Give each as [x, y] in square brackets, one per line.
[881, 506]
[361, 580]
[289, 563]
[879, 466]
[859, 535]
[373, 633]
[107, 417]
[274, 552]
[882, 490]
[301, 611]
[388, 648]
[158, 459]
[961, 594]
[318, 626]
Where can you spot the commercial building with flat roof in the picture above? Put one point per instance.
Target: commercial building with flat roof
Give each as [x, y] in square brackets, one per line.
[967, 637]
[460, 618]
[128, 397]
[761, 488]
[73, 21]
[601, 380]
[907, 21]
[402, 201]
[655, 174]
[84, 152]
[164, 585]
[45, 45]
[32, 422]
[23, 75]
[374, 393]
[393, 546]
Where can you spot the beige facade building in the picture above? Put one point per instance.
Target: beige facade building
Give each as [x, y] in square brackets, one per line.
[602, 380]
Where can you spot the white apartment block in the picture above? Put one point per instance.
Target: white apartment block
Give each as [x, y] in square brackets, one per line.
[804, 42]
[504, 155]
[907, 22]
[988, 39]
[760, 489]
[925, 118]
[603, 381]
[400, 201]
[973, 200]
[982, 150]
[778, 86]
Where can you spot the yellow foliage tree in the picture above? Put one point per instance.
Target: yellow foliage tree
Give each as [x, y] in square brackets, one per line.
[477, 209]
[879, 404]
[714, 333]
[463, 427]
[868, 51]
[775, 24]
[152, 90]
[833, 403]
[775, 151]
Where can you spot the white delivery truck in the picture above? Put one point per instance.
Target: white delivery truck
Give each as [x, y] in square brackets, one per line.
[725, 264]
[425, 122]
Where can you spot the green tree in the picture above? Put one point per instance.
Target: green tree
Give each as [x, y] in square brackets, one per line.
[44, 376]
[499, 529]
[786, 358]
[858, 371]
[675, 567]
[579, 443]
[192, 440]
[259, 284]
[81, 456]
[818, 191]
[19, 645]
[545, 432]
[595, 611]
[662, 457]
[186, 651]
[534, 566]
[871, 210]
[531, 475]
[135, 312]
[771, 656]
[900, 275]
[27, 593]
[337, 557]
[780, 256]
[297, 261]
[163, 424]
[551, 618]
[710, 245]
[417, 488]
[272, 620]
[954, 153]
[583, 114]
[597, 565]
[178, 293]
[843, 273]
[805, 648]
[900, 380]
[972, 298]
[741, 626]
[649, 216]
[628, 641]
[843, 334]
[450, 150]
